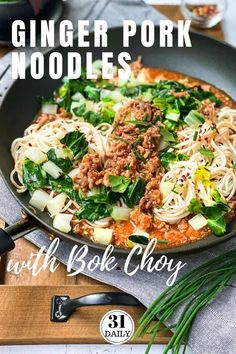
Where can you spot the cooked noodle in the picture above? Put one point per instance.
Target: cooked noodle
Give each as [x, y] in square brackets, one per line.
[221, 139]
[48, 136]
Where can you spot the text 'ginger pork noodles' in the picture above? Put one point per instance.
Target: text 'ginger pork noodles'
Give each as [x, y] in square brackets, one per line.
[125, 162]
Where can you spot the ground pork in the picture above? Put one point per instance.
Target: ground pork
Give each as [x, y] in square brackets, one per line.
[208, 108]
[136, 110]
[90, 173]
[132, 153]
[140, 219]
[152, 196]
[43, 119]
[136, 66]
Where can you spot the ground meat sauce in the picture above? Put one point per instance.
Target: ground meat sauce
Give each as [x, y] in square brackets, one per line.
[121, 160]
[43, 118]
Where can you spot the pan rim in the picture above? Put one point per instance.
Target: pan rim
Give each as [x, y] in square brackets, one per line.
[206, 242]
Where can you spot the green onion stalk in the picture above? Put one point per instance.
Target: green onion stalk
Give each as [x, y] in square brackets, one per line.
[192, 291]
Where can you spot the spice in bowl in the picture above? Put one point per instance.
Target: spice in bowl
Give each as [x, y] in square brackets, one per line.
[203, 14]
[204, 10]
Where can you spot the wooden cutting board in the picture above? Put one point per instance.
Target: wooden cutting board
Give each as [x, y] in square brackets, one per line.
[25, 300]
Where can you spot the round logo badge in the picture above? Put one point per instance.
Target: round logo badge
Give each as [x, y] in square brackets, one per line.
[117, 327]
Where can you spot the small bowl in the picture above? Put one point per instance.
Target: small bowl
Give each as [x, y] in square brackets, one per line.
[203, 13]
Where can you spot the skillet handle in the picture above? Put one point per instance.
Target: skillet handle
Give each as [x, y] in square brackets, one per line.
[10, 234]
[62, 306]
[6, 242]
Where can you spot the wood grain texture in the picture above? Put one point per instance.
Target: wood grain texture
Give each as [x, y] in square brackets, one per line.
[25, 316]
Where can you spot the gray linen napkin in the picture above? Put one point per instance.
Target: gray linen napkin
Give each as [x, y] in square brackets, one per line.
[214, 331]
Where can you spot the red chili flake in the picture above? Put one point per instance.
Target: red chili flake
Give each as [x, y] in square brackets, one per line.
[205, 10]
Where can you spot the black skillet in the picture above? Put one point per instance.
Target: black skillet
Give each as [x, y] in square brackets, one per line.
[207, 59]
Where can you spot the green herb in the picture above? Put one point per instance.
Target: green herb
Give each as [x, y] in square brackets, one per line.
[174, 191]
[161, 94]
[136, 152]
[80, 110]
[77, 143]
[139, 123]
[218, 226]
[92, 93]
[119, 183]
[94, 118]
[234, 165]
[142, 240]
[193, 291]
[170, 124]
[34, 177]
[145, 117]
[195, 206]
[206, 153]
[156, 119]
[216, 196]
[134, 91]
[106, 84]
[46, 100]
[92, 211]
[121, 187]
[108, 114]
[97, 205]
[194, 119]
[195, 135]
[215, 217]
[71, 87]
[104, 196]
[122, 139]
[167, 135]
[172, 114]
[166, 157]
[64, 184]
[64, 164]
[161, 103]
[166, 100]
[134, 192]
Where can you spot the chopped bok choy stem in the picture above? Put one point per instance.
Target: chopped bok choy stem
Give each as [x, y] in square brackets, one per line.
[198, 222]
[39, 199]
[36, 155]
[52, 169]
[56, 204]
[102, 236]
[62, 222]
